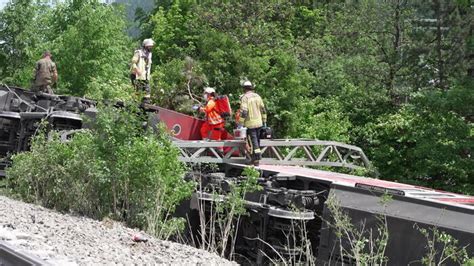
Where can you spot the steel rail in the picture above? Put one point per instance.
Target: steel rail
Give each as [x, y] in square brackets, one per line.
[9, 256]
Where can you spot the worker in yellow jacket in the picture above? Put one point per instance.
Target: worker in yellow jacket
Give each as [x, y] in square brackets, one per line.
[253, 116]
[141, 67]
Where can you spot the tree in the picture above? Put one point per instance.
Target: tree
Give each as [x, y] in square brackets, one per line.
[425, 144]
[441, 34]
[93, 45]
[87, 39]
[23, 27]
[356, 71]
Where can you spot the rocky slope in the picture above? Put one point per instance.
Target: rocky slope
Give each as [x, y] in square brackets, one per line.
[69, 240]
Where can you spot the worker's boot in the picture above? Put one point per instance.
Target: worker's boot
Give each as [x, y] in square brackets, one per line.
[146, 99]
[257, 156]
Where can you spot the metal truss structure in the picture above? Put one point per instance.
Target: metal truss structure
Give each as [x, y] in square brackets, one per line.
[275, 152]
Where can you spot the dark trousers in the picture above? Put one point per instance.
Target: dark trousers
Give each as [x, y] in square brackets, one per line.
[253, 140]
[142, 86]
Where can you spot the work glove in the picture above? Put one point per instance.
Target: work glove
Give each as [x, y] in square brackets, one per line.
[195, 107]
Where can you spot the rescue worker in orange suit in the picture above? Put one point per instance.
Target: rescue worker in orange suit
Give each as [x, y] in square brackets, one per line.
[253, 116]
[213, 127]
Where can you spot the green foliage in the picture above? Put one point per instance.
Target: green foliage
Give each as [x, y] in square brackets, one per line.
[23, 27]
[470, 262]
[100, 88]
[178, 80]
[93, 44]
[116, 169]
[225, 214]
[442, 247]
[423, 144]
[349, 71]
[364, 246]
[326, 120]
[169, 32]
[87, 39]
[58, 175]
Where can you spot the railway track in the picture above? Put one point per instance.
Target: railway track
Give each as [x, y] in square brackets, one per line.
[11, 257]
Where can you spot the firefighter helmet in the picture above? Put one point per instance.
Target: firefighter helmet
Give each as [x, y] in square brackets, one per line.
[209, 90]
[148, 42]
[247, 84]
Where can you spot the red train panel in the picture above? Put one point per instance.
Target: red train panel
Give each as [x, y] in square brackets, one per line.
[184, 127]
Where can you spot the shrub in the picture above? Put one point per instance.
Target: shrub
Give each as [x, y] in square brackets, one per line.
[118, 168]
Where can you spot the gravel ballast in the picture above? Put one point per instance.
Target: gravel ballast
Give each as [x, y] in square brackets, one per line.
[62, 239]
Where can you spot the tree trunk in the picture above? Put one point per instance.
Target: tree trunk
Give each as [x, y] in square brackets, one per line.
[439, 48]
[396, 52]
[470, 54]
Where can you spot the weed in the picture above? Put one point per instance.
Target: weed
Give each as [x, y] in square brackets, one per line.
[220, 220]
[364, 246]
[441, 247]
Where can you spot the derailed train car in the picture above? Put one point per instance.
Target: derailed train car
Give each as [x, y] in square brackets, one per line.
[291, 218]
[305, 212]
[21, 112]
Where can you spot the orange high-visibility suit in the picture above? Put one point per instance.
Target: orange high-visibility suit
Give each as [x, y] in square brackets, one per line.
[213, 128]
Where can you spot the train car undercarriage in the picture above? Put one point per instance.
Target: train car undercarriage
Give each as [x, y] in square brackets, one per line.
[297, 215]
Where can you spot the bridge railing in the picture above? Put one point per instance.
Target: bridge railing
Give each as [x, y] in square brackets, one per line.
[277, 152]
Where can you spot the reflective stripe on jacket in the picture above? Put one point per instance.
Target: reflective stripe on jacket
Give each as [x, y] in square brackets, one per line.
[252, 110]
[141, 61]
[212, 116]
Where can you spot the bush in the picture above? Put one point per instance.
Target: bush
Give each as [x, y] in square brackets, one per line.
[116, 169]
[424, 146]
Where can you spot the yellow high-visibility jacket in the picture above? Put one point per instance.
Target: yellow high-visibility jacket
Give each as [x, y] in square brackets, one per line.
[141, 65]
[252, 110]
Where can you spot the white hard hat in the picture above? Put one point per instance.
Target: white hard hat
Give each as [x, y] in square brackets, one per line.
[148, 42]
[247, 83]
[209, 90]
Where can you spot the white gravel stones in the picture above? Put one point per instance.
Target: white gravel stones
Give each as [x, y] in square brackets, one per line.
[69, 240]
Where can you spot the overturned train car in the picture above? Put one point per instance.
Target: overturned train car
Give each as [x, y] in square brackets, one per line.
[22, 111]
[304, 215]
[292, 218]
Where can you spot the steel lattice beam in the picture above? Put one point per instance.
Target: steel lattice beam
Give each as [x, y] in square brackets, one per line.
[280, 152]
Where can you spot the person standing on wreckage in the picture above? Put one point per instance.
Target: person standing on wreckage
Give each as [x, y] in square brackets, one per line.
[46, 74]
[213, 127]
[252, 115]
[140, 69]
